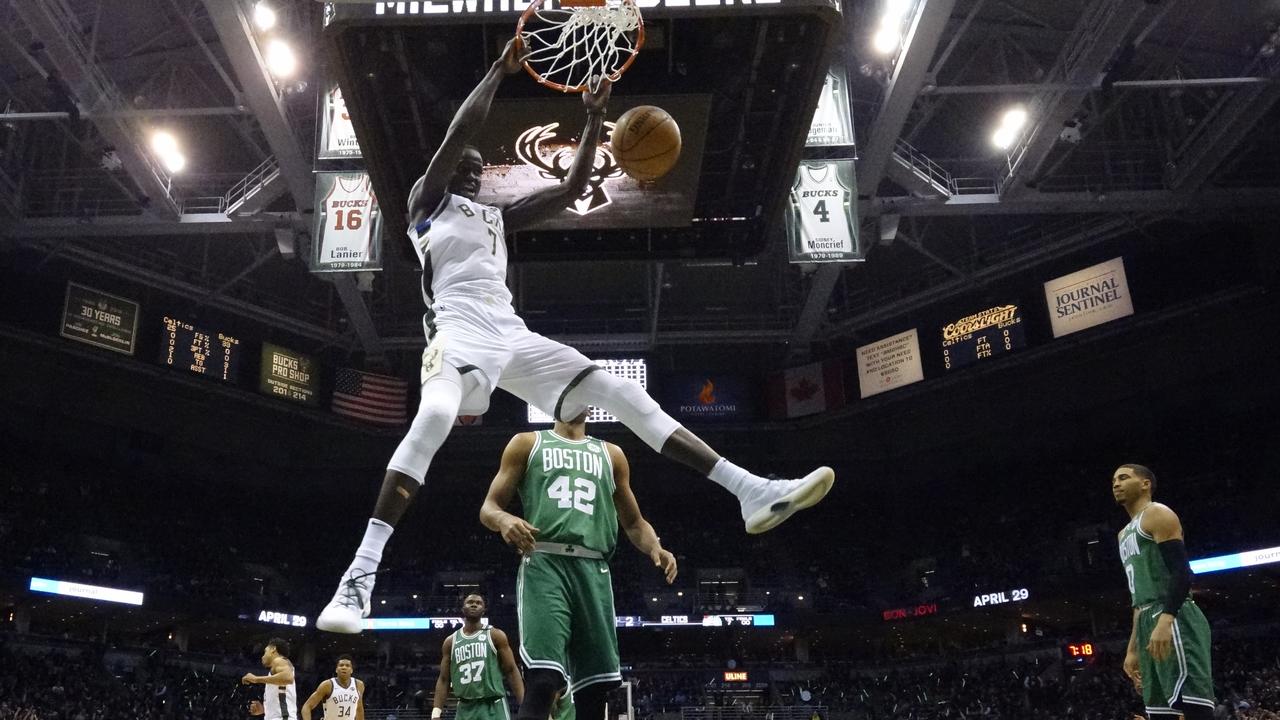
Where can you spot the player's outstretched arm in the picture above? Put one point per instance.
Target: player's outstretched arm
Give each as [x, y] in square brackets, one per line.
[442, 683]
[281, 674]
[639, 531]
[538, 206]
[507, 661]
[317, 699]
[493, 514]
[427, 192]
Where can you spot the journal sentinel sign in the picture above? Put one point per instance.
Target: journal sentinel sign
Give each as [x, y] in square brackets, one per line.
[87, 592]
[1089, 297]
[1236, 561]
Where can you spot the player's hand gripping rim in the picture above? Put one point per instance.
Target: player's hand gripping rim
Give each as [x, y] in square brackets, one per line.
[513, 56]
[597, 99]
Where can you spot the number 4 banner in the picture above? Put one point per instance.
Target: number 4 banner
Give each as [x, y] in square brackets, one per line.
[348, 227]
[822, 222]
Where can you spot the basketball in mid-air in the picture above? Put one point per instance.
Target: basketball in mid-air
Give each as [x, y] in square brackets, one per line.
[645, 142]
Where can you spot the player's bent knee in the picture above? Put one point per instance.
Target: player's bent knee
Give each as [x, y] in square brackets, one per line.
[629, 402]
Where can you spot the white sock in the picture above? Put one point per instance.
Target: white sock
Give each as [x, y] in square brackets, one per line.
[730, 476]
[369, 554]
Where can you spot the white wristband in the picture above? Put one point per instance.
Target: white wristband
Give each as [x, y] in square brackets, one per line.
[436, 713]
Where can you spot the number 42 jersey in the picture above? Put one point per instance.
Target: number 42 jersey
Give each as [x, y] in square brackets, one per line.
[567, 492]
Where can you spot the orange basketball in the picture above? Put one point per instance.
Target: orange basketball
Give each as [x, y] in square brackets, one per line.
[646, 142]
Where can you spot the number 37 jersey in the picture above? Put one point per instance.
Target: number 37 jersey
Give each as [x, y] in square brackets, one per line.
[463, 251]
[567, 492]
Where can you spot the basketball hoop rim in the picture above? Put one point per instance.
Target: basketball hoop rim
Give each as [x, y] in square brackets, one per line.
[534, 6]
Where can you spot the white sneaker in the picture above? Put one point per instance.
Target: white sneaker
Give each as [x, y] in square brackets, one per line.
[768, 503]
[346, 612]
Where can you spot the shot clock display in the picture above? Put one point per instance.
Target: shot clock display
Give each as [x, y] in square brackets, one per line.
[199, 350]
[982, 335]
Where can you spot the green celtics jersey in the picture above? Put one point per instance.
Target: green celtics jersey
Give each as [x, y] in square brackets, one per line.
[1144, 568]
[567, 492]
[475, 673]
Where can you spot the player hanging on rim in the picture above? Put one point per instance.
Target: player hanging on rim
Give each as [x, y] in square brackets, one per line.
[1168, 655]
[342, 696]
[476, 342]
[575, 491]
[473, 661]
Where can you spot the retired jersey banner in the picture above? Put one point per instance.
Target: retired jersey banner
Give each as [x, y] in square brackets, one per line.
[822, 222]
[806, 390]
[337, 134]
[889, 363]
[708, 396]
[832, 124]
[347, 234]
[1089, 297]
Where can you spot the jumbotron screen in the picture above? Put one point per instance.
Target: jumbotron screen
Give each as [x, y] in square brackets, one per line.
[629, 369]
[528, 145]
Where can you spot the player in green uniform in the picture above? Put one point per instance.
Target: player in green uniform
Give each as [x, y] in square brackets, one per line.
[1168, 655]
[473, 661]
[575, 491]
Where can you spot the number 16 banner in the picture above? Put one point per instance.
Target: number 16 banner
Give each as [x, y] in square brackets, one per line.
[348, 228]
[822, 221]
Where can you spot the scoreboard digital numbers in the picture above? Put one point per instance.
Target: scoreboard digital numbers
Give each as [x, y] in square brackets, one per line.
[287, 374]
[203, 352]
[983, 335]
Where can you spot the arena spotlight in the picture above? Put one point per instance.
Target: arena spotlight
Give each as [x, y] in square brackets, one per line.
[263, 16]
[165, 146]
[886, 40]
[1011, 124]
[281, 61]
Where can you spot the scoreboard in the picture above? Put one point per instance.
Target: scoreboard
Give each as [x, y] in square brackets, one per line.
[199, 350]
[983, 335]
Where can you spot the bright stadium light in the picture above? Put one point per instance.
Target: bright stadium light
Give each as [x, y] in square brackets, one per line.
[1011, 124]
[263, 16]
[886, 40]
[174, 162]
[163, 143]
[281, 61]
[165, 146]
[1014, 119]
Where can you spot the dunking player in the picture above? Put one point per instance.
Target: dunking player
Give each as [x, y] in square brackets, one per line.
[341, 696]
[1168, 655]
[476, 343]
[280, 696]
[473, 661]
[575, 491]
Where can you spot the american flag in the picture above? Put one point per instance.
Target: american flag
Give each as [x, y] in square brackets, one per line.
[375, 398]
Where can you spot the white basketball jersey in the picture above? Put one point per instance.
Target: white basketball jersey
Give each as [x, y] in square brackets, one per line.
[280, 701]
[821, 200]
[463, 250]
[348, 219]
[342, 135]
[341, 703]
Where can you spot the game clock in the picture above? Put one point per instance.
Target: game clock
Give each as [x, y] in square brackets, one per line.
[1079, 653]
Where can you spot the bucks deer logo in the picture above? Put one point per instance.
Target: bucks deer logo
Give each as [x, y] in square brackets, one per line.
[542, 147]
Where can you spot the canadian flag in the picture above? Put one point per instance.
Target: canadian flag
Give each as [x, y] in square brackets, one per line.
[806, 390]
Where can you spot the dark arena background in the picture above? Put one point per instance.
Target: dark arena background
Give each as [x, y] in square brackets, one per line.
[1055, 252]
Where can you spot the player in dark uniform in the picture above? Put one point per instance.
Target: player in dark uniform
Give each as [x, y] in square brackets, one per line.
[473, 661]
[575, 491]
[1168, 655]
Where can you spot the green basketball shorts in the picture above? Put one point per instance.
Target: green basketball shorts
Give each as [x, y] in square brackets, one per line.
[565, 606]
[491, 709]
[1183, 677]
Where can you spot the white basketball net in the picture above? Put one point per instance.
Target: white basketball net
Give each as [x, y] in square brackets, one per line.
[577, 46]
